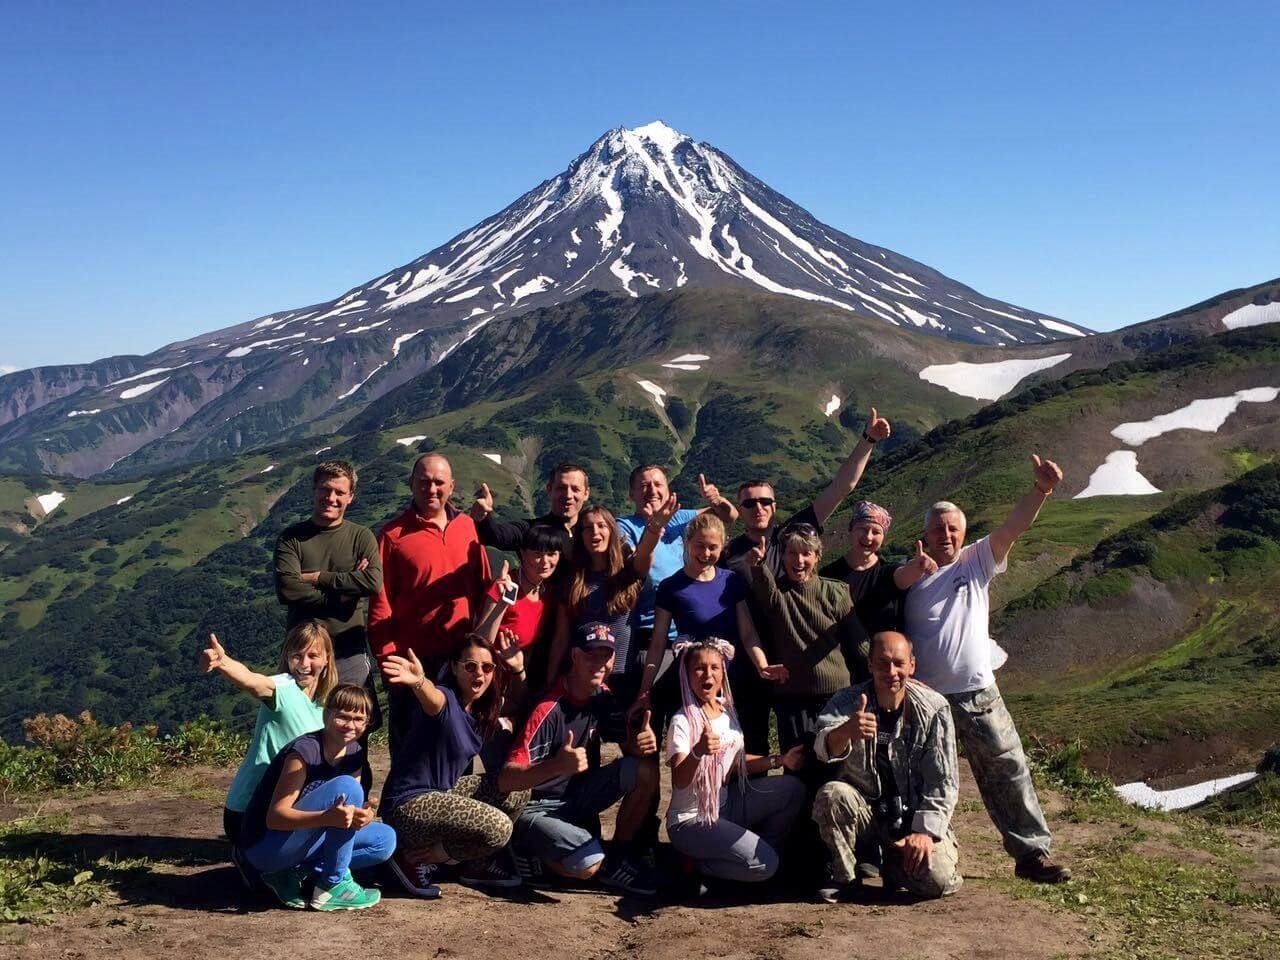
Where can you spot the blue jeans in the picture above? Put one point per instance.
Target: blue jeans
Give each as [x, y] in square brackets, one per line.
[329, 852]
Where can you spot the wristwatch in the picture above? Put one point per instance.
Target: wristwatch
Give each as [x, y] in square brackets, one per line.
[775, 761]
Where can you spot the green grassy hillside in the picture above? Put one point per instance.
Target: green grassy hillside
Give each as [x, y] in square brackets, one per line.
[104, 602]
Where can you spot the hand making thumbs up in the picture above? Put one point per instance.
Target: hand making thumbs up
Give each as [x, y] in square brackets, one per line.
[864, 721]
[572, 759]
[212, 656]
[708, 744]
[483, 505]
[643, 741]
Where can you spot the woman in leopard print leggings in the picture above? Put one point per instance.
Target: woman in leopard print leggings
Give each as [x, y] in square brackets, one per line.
[440, 813]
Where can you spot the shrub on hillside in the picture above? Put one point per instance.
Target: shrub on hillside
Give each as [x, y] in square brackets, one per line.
[84, 753]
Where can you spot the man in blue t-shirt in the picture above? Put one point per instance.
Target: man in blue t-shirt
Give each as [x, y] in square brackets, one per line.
[649, 491]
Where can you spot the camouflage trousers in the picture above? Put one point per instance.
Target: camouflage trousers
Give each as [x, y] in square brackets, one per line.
[846, 823]
[994, 751]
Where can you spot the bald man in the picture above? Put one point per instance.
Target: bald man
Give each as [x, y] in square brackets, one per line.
[434, 575]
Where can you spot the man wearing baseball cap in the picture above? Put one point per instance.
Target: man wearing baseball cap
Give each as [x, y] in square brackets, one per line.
[557, 757]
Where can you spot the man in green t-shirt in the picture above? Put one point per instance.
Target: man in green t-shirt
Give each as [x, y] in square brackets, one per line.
[327, 568]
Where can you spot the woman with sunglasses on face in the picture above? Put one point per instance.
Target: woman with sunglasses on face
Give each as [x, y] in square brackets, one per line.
[442, 814]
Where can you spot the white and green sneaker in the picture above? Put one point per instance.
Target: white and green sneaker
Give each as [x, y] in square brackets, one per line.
[346, 894]
[289, 886]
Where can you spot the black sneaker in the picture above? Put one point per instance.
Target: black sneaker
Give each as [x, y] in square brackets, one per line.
[1040, 869]
[418, 879]
[494, 871]
[832, 891]
[630, 875]
[866, 870]
[529, 869]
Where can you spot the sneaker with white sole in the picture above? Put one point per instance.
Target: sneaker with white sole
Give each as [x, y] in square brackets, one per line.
[529, 869]
[492, 871]
[346, 894]
[418, 879]
[629, 875]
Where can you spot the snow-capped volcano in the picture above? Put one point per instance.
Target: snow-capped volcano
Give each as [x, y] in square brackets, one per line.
[644, 210]
[649, 209]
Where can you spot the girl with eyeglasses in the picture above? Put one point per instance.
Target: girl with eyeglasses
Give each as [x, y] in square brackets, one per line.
[442, 814]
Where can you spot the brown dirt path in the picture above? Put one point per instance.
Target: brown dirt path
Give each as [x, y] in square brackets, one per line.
[177, 897]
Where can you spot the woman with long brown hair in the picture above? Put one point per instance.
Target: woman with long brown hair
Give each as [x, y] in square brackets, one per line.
[603, 586]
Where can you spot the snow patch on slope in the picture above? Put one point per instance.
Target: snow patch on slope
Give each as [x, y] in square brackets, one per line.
[1252, 315]
[1117, 476]
[50, 501]
[1207, 415]
[987, 381]
[141, 388]
[654, 391]
[832, 406]
[1141, 795]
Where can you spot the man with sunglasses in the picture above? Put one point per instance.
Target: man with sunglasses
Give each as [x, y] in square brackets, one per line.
[756, 507]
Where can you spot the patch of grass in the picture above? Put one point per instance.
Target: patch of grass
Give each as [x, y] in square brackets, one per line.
[1153, 906]
[84, 753]
[1256, 806]
[36, 885]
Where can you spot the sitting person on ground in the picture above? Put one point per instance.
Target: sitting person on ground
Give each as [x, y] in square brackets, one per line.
[876, 588]
[731, 828]
[603, 586]
[947, 616]
[523, 603]
[892, 804]
[309, 823]
[557, 757]
[440, 812]
[291, 706]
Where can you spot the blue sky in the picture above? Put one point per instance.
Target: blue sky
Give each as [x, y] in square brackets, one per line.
[170, 169]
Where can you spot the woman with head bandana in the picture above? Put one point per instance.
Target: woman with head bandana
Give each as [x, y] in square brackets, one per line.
[876, 588]
[731, 830]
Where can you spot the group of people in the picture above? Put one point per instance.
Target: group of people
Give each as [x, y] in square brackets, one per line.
[656, 632]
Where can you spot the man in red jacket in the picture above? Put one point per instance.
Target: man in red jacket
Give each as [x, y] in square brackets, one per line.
[435, 573]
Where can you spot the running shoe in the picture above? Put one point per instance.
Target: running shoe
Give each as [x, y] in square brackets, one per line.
[346, 894]
[288, 885]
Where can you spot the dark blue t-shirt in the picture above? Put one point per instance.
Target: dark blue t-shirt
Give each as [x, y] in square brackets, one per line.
[316, 770]
[437, 751]
[704, 608]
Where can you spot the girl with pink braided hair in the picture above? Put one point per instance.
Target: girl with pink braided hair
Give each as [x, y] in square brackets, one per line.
[729, 825]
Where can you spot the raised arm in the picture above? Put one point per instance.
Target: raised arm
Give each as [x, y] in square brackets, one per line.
[409, 673]
[722, 507]
[642, 557]
[213, 657]
[491, 618]
[917, 568]
[850, 472]
[500, 534]
[1045, 476]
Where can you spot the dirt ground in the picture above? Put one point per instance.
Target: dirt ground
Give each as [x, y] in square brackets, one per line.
[178, 896]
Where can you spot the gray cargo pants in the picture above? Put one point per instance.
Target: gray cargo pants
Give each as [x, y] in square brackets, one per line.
[994, 750]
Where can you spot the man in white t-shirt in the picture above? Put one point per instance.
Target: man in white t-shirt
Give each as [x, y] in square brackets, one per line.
[947, 618]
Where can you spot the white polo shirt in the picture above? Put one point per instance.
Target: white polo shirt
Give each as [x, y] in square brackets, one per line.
[948, 620]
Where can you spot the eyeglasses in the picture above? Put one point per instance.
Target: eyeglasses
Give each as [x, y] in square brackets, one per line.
[752, 502]
[476, 666]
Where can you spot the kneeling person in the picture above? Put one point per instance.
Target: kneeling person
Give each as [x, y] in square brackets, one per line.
[557, 757]
[309, 824]
[899, 782]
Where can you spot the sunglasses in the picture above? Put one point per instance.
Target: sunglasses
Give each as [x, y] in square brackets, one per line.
[804, 529]
[475, 666]
[751, 502]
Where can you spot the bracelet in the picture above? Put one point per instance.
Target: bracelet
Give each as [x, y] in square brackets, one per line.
[867, 437]
[1047, 493]
[775, 761]
[421, 680]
